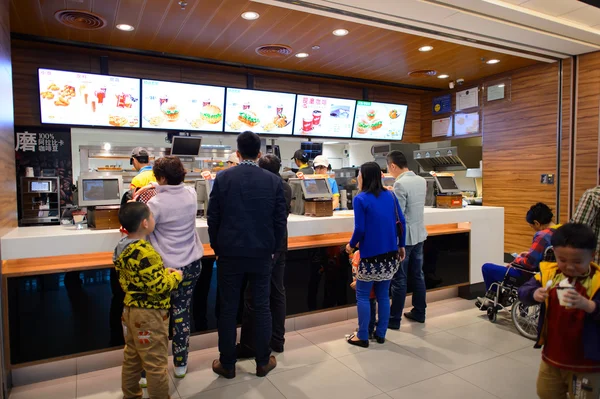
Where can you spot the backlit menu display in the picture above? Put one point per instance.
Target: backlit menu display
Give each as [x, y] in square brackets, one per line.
[170, 105]
[323, 116]
[379, 121]
[73, 98]
[259, 111]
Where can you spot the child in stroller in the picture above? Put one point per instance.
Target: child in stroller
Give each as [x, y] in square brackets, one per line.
[539, 217]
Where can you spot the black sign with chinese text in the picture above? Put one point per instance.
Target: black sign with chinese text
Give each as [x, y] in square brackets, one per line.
[48, 152]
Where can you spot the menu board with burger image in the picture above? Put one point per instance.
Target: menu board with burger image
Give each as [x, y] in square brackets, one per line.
[170, 105]
[259, 111]
[323, 116]
[73, 98]
[379, 121]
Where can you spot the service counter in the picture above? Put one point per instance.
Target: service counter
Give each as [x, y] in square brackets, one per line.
[57, 280]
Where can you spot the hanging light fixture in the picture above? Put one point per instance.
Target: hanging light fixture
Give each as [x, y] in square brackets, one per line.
[183, 4]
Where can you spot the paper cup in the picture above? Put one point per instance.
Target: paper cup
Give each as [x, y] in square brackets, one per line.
[561, 291]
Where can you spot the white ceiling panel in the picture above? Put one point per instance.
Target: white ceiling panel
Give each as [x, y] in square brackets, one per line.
[587, 15]
[553, 7]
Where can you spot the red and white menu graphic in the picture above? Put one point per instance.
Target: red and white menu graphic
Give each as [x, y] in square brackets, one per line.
[324, 116]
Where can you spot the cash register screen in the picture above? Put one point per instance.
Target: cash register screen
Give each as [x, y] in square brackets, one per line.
[101, 190]
[316, 188]
[447, 184]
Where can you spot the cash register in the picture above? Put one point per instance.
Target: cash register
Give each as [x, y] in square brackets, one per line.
[448, 194]
[203, 189]
[311, 196]
[101, 194]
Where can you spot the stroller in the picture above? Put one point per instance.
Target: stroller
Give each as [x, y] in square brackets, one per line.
[504, 295]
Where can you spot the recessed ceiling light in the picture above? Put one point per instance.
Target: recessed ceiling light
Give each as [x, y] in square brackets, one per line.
[125, 27]
[302, 55]
[425, 48]
[492, 61]
[443, 77]
[250, 15]
[340, 32]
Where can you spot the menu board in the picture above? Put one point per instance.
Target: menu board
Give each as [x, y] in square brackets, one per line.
[259, 111]
[169, 105]
[379, 121]
[323, 116]
[73, 98]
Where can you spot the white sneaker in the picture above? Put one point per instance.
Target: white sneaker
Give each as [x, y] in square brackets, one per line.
[180, 372]
[143, 383]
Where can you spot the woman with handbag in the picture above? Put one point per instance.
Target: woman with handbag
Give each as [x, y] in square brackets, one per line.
[379, 233]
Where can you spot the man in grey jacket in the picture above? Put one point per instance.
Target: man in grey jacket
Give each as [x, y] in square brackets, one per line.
[410, 189]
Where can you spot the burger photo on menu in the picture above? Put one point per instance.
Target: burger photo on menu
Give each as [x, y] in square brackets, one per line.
[259, 111]
[379, 121]
[171, 105]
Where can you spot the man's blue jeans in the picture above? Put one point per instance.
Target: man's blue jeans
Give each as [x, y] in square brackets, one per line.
[411, 267]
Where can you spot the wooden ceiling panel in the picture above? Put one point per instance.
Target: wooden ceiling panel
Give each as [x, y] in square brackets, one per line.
[213, 29]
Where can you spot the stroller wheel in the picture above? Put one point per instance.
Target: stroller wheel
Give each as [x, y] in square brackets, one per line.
[492, 314]
[525, 319]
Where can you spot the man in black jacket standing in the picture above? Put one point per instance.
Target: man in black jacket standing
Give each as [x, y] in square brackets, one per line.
[247, 220]
[271, 163]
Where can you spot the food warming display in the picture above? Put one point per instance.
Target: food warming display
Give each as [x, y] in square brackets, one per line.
[323, 116]
[169, 105]
[73, 98]
[259, 111]
[379, 121]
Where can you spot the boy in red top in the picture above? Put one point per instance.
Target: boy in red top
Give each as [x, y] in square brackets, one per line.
[569, 329]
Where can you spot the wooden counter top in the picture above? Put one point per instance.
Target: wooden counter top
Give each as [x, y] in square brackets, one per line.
[71, 263]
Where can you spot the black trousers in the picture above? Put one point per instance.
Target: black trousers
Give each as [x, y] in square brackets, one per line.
[278, 308]
[231, 272]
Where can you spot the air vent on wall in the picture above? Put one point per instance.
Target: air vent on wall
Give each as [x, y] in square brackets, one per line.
[274, 50]
[422, 73]
[80, 19]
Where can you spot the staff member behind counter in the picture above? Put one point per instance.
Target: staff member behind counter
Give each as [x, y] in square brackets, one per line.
[301, 159]
[321, 165]
[140, 159]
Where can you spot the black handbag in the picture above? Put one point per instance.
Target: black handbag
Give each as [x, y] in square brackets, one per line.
[399, 229]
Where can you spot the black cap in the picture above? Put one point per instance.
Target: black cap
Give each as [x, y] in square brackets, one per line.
[301, 156]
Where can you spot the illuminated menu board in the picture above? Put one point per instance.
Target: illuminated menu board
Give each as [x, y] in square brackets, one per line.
[259, 111]
[379, 121]
[323, 116]
[170, 105]
[73, 98]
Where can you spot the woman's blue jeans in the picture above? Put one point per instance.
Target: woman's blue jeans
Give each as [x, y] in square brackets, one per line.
[382, 292]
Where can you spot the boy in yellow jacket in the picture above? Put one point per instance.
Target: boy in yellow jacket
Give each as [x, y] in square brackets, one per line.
[147, 286]
[569, 329]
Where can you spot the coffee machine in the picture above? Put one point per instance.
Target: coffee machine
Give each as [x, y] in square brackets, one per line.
[346, 179]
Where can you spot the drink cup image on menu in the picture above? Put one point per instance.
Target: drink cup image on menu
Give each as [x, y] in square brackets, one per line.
[323, 116]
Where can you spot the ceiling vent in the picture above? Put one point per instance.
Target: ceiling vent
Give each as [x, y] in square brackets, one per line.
[80, 19]
[422, 73]
[274, 50]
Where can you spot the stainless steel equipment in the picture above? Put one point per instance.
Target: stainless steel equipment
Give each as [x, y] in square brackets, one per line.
[40, 201]
[380, 152]
[448, 158]
[348, 185]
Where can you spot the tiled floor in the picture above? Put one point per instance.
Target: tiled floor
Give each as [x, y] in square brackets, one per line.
[457, 353]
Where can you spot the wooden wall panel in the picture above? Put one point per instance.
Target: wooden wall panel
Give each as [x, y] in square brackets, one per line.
[587, 120]
[519, 144]
[8, 188]
[565, 144]
[28, 57]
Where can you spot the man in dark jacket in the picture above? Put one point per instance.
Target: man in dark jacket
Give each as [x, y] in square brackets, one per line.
[271, 163]
[247, 219]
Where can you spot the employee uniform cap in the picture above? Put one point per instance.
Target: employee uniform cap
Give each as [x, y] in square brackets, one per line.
[233, 158]
[321, 160]
[139, 152]
[300, 155]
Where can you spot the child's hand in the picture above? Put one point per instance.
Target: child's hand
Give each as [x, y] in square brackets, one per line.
[353, 285]
[348, 249]
[577, 301]
[540, 295]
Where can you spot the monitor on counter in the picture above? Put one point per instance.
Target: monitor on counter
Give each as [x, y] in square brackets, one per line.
[323, 117]
[182, 106]
[316, 188]
[263, 112]
[100, 190]
[446, 185]
[379, 121]
[186, 146]
[86, 99]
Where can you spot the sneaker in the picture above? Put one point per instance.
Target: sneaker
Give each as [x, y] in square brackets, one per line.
[143, 383]
[180, 372]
